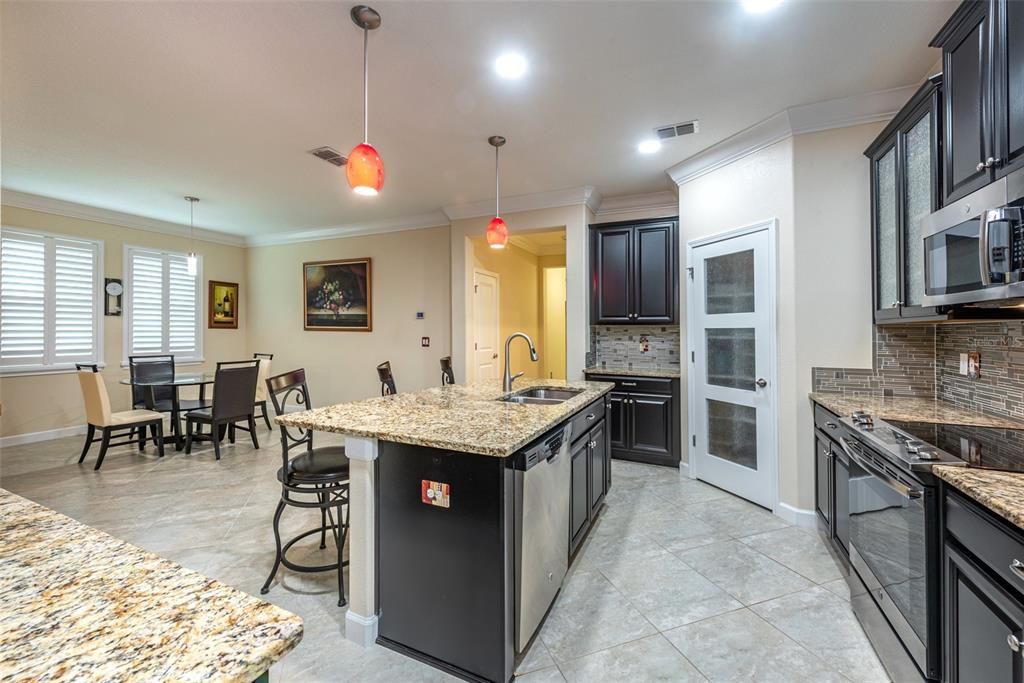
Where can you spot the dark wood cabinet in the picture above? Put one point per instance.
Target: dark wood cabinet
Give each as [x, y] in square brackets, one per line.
[591, 473]
[579, 506]
[823, 481]
[983, 94]
[905, 187]
[984, 622]
[643, 420]
[831, 479]
[599, 465]
[634, 273]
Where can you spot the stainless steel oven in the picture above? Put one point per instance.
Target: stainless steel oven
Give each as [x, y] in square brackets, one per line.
[974, 247]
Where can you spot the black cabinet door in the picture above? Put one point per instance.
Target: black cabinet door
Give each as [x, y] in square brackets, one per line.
[650, 424]
[967, 104]
[579, 503]
[885, 233]
[618, 417]
[1008, 91]
[984, 624]
[655, 294]
[823, 480]
[598, 468]
[841, 500]
[612, 297]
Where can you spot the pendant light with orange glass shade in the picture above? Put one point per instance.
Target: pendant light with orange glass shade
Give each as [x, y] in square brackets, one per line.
[364, 168]
[497, 229]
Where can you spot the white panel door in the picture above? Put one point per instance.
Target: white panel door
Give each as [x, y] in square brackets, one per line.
[485, 323]
[730, 305]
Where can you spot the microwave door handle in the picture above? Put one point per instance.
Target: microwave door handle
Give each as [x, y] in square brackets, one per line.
[897, 486]
[983, 255]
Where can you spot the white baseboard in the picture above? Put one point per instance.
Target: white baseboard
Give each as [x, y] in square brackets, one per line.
[684, 469]
[48, 435]
[807, 519]
[359, 629]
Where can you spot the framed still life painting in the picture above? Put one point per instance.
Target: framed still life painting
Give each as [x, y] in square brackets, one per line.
[337, 295]
[223, 305]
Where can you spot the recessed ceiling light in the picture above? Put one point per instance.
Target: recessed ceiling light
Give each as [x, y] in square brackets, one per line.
[649, 146]
[760, 6]
[510, 65]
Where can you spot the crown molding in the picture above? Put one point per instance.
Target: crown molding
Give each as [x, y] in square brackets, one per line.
[528, 202]
[527, 243]
[435, 219]
[664, 201]
[60, 207]
[881, 105]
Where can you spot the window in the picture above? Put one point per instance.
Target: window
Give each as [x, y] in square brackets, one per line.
[162, 306]
[49, 301]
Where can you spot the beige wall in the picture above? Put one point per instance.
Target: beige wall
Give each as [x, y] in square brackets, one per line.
[816, 185]
[411, 272]
[519, 275]
[44, 402]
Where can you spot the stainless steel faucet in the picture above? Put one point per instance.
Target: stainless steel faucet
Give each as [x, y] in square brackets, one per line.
[506, 384]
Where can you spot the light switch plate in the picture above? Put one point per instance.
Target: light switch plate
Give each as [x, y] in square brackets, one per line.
[963, 364]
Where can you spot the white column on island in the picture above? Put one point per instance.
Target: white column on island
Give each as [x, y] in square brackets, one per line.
[361, 618]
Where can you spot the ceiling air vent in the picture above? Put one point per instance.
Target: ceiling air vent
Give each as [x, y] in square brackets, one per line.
[328, 154]
[676, 130]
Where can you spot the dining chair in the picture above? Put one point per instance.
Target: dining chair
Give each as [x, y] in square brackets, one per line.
[91, 367]
[160, 399]
[447, 374]
[234, 398]
[318, 477]
[387, 380]
[99, 416]
[261, 385]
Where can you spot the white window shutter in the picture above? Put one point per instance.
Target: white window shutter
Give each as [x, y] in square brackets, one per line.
[182, 309]
[75, 316]
[146, 288]
[22, 299]
[163, 305]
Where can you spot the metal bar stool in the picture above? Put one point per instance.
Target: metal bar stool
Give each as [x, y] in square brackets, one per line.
[387, 380]
[318, 478]
[447, 374]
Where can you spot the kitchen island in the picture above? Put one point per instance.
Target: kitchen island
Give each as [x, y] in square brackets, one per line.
[80, 605]
[461, 509]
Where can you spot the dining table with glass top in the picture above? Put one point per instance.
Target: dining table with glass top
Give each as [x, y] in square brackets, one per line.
[178, 406]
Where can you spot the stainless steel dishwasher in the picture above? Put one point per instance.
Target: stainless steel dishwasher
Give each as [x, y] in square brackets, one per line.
[542, 480]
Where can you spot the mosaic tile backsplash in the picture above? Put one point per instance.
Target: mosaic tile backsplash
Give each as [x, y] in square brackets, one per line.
[924, 360]
[634, 346]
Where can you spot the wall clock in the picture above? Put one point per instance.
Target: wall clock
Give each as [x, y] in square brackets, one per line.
[114, 290]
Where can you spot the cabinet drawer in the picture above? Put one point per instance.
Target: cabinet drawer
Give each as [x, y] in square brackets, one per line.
[987, 538]
[649, 385]
[826, 421]
[583, 421]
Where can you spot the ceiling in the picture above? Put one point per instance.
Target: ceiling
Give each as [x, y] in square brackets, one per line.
[131, 105]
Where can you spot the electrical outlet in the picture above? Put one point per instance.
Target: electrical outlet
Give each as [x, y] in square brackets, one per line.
[424, 341]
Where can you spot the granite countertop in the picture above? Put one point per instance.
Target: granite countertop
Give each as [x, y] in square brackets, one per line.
[911, 409]
[80, 605]
[1000, 492]
[464, 418]
[634, 372]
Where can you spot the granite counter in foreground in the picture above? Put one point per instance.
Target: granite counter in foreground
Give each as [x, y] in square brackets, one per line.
[466, 418]
[1000, 492]
[77, 604]
[911, 409]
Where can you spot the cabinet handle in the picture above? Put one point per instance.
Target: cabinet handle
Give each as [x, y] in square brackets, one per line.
[831, 425]
[1017, 567]
[993, 161]
[980, 166]
[894, 304]
[591, 416]
[628, 384]
[1013, 642]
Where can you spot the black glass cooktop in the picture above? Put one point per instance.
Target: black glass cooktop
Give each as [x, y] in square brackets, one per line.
[989, 447]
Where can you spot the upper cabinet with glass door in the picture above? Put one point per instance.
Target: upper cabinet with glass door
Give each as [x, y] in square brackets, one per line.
[983, 94]
[905, 187]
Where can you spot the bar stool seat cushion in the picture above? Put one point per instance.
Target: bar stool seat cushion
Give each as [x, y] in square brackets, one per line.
[321, 463]
[127, 417]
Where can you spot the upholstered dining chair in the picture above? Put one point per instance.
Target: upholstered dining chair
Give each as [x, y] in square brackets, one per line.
[261, 385]
[99, 416]
[234, 400]
[387, 380]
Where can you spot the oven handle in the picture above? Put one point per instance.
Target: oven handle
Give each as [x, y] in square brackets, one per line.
[897, 486]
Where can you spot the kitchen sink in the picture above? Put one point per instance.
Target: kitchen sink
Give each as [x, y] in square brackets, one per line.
[541, 395]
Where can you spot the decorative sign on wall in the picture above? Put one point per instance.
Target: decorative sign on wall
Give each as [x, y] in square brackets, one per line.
[113, 290]
[223, 305]
[338, 295]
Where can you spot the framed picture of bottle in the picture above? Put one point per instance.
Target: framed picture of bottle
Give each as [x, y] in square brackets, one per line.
[223, 305]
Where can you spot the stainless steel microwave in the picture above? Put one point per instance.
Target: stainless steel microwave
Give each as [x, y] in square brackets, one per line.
[974, 247]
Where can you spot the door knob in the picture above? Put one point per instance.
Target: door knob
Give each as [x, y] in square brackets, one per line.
[761, 382]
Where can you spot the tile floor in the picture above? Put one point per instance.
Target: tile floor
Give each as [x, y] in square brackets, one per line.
[678, 581]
